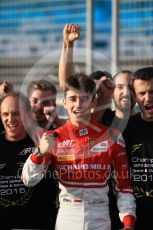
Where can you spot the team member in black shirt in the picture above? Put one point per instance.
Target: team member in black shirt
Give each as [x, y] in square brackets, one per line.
[21, 207]
[124, 101]
[5, 87]
[139, 141]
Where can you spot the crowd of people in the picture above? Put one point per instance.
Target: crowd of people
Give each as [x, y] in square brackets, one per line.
[93, 171]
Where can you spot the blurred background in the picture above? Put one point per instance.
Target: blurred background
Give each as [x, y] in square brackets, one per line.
[115, 35]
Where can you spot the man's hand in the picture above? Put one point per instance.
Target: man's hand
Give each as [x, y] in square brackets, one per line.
[71, 32]
[106, 86]
[47, 142]
[105, 90]
[5, 87]
[50, 113]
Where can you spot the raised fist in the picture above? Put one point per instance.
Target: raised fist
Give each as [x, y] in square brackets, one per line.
[47, 142]
[71, 32]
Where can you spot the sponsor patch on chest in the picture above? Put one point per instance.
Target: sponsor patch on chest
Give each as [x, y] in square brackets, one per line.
[66, 158]
[83, 132]
[100, 147]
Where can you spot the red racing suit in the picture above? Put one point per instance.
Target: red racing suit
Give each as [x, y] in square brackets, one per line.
[83, 158]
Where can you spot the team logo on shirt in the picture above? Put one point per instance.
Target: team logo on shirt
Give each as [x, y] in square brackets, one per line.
[26, 151]
[135, 148]
[67, 143]
[2, 166]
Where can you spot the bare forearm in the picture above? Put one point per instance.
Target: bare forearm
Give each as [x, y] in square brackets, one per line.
[66, 66]
[71, 33]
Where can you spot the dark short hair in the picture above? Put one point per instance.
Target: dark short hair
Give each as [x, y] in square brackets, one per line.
[98, 74]
[41, 85]
[144, 74]
[123, 72]
[21, 97]
[82, 82]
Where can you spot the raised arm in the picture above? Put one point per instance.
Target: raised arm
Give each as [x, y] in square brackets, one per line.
[71, 33]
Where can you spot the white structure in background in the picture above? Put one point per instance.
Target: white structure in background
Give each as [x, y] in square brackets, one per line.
[30, 29]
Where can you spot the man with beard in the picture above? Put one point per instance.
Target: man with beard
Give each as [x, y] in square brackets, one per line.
[124, 101]
[139, 142]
